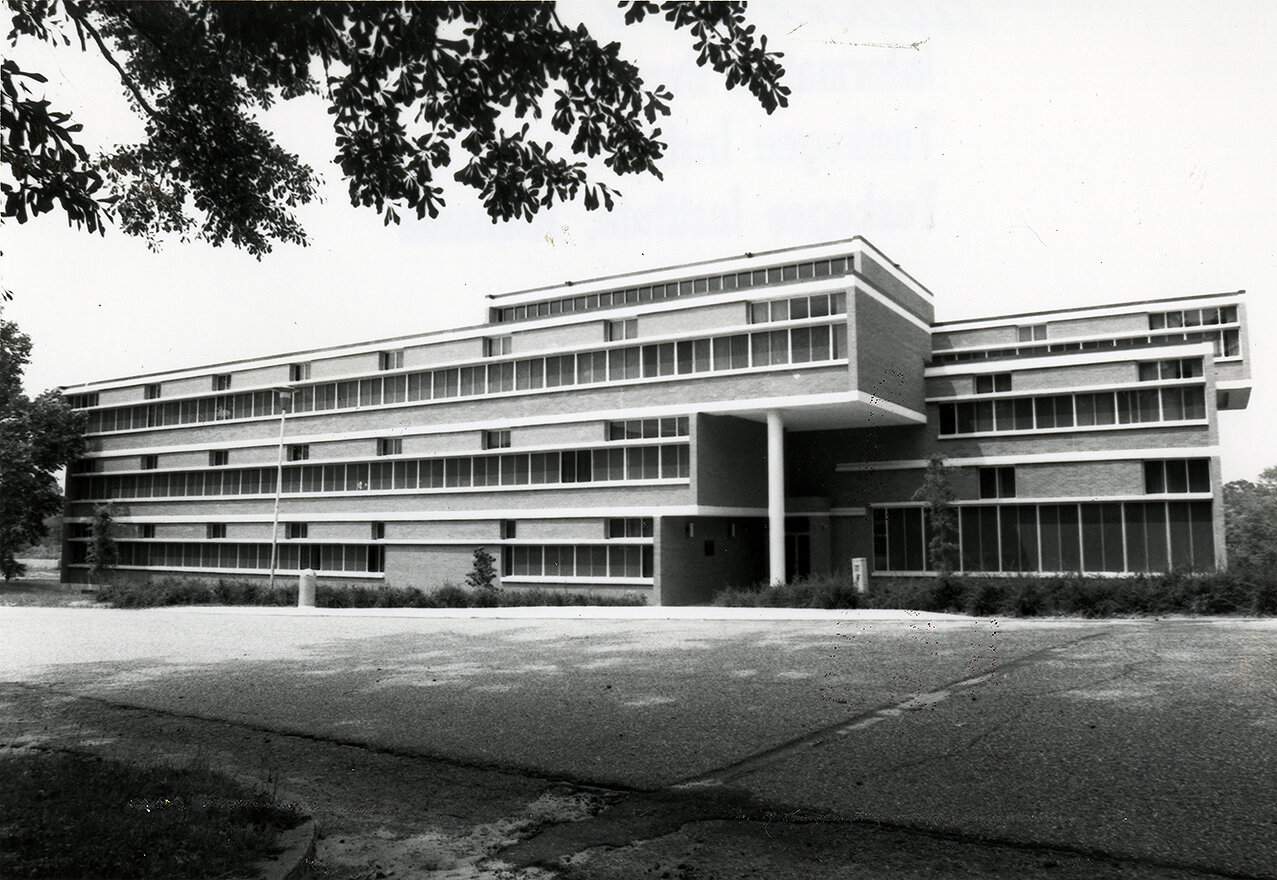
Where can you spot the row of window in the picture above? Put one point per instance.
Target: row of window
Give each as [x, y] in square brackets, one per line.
[1161, 476]
[1227, 343]
[1175, 368]
[627, 527]
[1131, 536]
[648, 429]
[796, 308]
[583, 560]
[796, 345]
[255, 557]
[1073, 410]
[670, 290]
[631, 429]
[1149, 371]
[509, 469]
[1193, 317]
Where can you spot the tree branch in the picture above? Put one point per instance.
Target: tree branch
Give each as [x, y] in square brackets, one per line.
[82, 19]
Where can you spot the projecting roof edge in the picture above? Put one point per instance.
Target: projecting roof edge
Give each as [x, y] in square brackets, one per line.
[606, 280]
[945, 326]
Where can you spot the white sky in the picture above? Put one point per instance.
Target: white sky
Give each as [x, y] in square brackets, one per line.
[1025, 156]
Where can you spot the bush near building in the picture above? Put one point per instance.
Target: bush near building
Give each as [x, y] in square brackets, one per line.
[224, 591]
[1239, 592]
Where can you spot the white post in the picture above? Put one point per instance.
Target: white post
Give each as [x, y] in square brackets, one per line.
[306, 589]
[775, 497]
[279, 487]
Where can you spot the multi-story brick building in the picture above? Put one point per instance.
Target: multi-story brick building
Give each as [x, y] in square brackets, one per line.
[676, 430]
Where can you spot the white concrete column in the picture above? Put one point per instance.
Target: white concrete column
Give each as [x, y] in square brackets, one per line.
[775, 497]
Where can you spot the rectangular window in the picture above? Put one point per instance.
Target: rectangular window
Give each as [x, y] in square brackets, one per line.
[496, 346]
[222, 382]
[298, 452]
[997, 482]
[214, 531]
[150, 462]
[295, 530]
[1177, 475]
[390, 360]
[1032, 332]
[219, 457]
[621, 330]
[378, 531]
[390, 446]
[152, 391]
[146, 530]
[496, 439]
[992, 382]
[298, 372]
[509, 529]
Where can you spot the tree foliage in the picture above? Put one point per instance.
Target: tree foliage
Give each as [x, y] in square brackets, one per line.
[104, 552]
[415, 91]
[937, 491]
[483, 574]
[1250, 523]
[37, 438]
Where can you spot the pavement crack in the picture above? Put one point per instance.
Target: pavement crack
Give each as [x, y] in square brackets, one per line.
[731, 772]
[305, 735]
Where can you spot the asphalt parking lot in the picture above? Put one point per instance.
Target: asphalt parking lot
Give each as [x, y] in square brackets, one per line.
[1147, 746]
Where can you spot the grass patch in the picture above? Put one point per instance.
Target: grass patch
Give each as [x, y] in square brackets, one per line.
[178, 591]
[66, 815]
[1251, 593]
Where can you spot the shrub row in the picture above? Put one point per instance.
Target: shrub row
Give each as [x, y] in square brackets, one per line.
[224, 591]
[1225, 592]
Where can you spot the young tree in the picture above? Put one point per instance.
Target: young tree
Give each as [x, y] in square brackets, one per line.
[484, 573]
[1250, 523]
[415, 90]
[937, 491]
[37, 439]
[104, 553]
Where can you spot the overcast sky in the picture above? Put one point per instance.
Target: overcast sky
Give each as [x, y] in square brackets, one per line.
[1022, 156]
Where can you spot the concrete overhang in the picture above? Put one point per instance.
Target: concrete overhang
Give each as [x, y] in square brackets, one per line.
[850, 410]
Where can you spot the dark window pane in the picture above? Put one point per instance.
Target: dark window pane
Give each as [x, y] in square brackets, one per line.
[1112, 529]
[984, 415]
[1199, 475]
[1024, 414]
[1181, 536]
[1154, 477]
[1203, 534]
[1136, 536]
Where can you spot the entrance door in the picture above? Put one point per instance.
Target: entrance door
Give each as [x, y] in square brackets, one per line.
[797, 547]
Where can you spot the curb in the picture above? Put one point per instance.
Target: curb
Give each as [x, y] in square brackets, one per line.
[578, 612]
[296, 861]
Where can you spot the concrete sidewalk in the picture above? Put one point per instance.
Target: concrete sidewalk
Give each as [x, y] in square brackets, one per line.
[582, 612]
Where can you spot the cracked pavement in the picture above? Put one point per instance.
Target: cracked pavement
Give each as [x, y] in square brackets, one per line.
[837, 747]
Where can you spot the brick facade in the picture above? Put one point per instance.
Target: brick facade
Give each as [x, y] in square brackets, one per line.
[612, 435]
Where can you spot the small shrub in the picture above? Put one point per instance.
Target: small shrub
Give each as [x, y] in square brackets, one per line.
[985, 597]
[452, 596]
[483, 575]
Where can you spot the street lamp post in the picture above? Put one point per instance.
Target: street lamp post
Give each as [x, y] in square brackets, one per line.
[285, 396]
